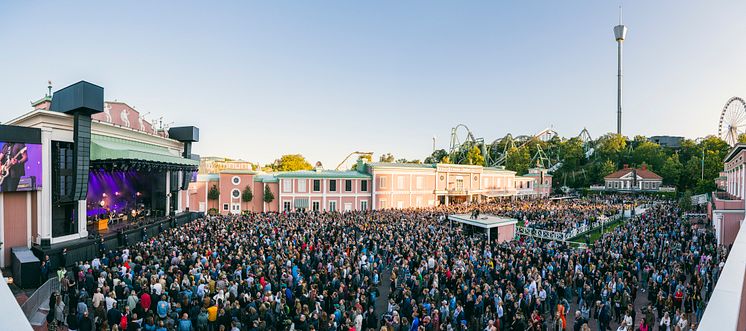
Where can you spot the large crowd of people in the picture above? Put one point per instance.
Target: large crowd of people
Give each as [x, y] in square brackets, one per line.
[558, 215]
[396, 270]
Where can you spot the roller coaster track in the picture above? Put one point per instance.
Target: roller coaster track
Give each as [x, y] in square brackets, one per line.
[496, 153]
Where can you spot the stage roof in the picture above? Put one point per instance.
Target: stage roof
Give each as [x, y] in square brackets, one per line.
[108, 148]
[484, 221]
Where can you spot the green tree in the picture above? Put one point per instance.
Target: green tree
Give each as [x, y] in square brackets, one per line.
[518, 160]
[437, 156]
[386, 158]
[672, 170]
[366, 158]
[611, 146]
[268, 195]
[685, 203]
[650, 153]
[446, 160]
[572, 152]
[213, 194]
[291, 162]
[247, 195]
[606, 168]
[474, 156]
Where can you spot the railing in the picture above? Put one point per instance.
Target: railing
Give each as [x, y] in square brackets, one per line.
[567, 235]
[726, 309]
[40, 296]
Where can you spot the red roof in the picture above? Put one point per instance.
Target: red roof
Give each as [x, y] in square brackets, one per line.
[644, 173]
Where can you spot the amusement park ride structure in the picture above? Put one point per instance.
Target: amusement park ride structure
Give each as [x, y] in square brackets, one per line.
[732, 120]
[496, 153]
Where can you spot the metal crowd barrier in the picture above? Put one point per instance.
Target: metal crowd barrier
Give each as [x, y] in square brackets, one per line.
[565, 236]
[40, 297]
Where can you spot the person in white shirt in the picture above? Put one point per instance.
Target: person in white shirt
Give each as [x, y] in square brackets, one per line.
[665, 323]
[157, 288]
[358, 320]
[97, 298]
[683, 323]
[110, 301]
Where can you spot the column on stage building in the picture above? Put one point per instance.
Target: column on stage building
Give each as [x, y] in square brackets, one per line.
[82, 219]
[44, 225]
[168, 192]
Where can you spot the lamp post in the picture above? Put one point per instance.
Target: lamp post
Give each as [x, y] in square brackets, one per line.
[702, 161]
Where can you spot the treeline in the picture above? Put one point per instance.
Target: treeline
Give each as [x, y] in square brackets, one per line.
[692, 166]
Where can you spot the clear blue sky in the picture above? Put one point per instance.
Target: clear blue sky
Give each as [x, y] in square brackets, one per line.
[324, 78]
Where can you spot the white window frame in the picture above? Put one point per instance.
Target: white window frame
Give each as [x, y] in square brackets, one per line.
[364, 205]
[382, 204]
[382, 182]
[234, 191]
[315, 205]
[418, 182]
[418, 201]
[287, 185]
[352, 185]
[400, 182]
[301, 185]
[313, 184]
[236, 180]
[336, 187]
[332, 206]
[226, 206]
[287, 206]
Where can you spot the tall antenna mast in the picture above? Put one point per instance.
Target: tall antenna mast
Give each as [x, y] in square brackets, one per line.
[620, 32]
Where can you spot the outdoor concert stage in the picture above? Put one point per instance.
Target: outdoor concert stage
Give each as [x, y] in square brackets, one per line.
[88, 169]
[85, 249]
[120, 198]
[503, 229]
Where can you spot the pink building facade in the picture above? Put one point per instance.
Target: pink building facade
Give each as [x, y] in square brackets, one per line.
[727, 206]
[372, 186]
[323, 190]
[231, 185]
[426, 185]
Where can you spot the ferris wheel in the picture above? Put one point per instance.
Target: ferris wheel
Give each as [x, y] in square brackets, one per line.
[732, 120]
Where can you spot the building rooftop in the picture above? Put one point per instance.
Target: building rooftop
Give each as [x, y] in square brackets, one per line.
[265, 178]
[484, 221]
[642, 172]
[402, 165]
[238, 172]
[322, 174]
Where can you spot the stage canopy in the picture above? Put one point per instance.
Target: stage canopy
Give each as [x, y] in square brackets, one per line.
[109, 149]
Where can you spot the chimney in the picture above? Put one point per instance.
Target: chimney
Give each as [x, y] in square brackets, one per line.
[626, 166]
[644, 166]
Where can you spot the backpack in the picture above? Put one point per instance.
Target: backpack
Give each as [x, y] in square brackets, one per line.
[123, 322]
[202, 319]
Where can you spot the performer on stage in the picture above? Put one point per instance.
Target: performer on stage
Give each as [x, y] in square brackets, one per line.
[13, 158]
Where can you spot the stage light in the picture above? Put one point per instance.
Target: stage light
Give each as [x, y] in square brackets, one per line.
[139, 194]
[104, 195]
[102, 203]
[116, 193]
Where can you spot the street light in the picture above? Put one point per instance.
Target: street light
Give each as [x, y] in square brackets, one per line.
[699, 141]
